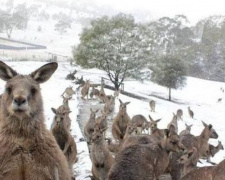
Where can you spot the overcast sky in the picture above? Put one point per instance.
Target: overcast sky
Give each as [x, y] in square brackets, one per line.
[193, 9]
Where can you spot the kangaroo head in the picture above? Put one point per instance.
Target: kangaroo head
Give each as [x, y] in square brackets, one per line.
[22, 97]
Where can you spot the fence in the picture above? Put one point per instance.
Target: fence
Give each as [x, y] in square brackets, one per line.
[39, 55]
[19, 50]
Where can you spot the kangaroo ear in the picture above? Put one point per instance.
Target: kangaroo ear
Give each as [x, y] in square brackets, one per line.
[104, 129]
[158, 120]
[126, 103]
[150, 118]
[166, 132]
[190, 153]
[120, 101]
[204, 124]
[210, 126]
[6, 72]
[53, 110]
[42, 74]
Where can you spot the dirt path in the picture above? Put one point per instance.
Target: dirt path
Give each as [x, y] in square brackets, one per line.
[84, 113]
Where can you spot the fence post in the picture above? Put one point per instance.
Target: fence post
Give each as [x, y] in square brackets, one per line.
[102, 81]
[122, 87]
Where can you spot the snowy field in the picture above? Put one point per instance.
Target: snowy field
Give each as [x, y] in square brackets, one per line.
[200, 95]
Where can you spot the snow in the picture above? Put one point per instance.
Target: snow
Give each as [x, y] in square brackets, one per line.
[200, 95]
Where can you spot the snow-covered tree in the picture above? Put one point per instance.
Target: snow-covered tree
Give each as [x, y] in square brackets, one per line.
[113, 45]
[15, 19]
[62, 26]
[170, 72]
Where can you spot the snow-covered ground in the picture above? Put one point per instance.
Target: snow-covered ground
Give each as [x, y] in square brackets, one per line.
[200, 95]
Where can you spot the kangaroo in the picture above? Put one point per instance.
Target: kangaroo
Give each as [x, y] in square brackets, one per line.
[144, 161]
[64, 139]
[85, 89]
[28, 150]
[189, 160]
[101, 158]
[158, 133]
[89, 126]
[152, 105]
[66, 102]
[212, 150]
[62, 113]
[102, 94]
[191, 113]
[172, 126]
[218, 172]
[180, 114]
[94, 92]
[186, 131]
[141, 122]
[130, 131]
[200, 142]
[120, 122]
[110, 105]
[68, 93]
[189, 141]
[191, 171]
[101, 121]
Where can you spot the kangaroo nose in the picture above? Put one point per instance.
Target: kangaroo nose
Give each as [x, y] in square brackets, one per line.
[19, 100]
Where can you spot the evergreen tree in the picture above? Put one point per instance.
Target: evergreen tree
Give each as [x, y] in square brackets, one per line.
[170, 72]
[113, 45]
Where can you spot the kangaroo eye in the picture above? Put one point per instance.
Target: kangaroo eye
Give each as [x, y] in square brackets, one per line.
[33, 91]
[9, 90]
[174, 142]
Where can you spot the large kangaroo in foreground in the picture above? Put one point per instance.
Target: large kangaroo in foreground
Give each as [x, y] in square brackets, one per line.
[28, 151]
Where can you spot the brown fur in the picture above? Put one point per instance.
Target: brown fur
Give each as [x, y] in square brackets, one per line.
[189, 160]
[141, 122]
[152, 105]
[140, 139]
[172, 126]
[89, 126]
[101, 121]
[62, 113]
[102, 94]
[114, 147]
[207, 173]
[28, 150]
[180, 114]
[101, 158]
[158, 133]
[68, 93]
[64, 139]
[218, 172]
[202, 173]
[144, 161]
[190, 141]
[85, 89]
[212, 150]
[66, 102]
[109, 105]
[186, 131]
[120, 122]
[200, 142]
[190, 112]
[94, 92]
[191, 171]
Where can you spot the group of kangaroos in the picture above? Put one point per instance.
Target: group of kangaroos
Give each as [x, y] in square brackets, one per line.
[140, 150]
[29, 151]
